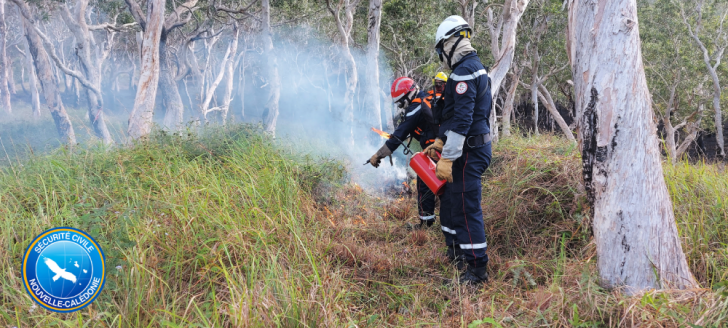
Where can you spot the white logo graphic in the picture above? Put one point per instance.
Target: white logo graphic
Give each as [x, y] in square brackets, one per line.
[461, 88]
[60, 273]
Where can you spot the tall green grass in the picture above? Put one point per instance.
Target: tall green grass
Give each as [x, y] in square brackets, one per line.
[197, 232]
[700, 200]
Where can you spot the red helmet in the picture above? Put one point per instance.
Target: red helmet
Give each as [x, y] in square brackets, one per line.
[401, 87]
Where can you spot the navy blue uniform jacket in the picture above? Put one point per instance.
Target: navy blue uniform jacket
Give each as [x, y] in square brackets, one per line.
[469, 118]
[415, 124]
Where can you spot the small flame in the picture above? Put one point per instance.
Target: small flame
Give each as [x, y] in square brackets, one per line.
[384, 135]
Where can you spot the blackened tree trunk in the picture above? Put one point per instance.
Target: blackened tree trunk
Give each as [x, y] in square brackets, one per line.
[638, 246]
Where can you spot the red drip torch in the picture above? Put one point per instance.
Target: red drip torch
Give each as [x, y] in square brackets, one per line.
[423, 166]
[425, 169]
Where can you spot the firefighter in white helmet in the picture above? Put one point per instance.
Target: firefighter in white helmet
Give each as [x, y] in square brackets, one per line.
[464, 143]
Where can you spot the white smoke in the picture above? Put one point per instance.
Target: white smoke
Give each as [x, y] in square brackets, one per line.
[313, 79]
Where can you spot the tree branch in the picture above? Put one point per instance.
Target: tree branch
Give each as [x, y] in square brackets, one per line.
[137, 13]
[25, 11]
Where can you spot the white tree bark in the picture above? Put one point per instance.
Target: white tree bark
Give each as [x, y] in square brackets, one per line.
[510, 98]
[638, 246]
[534, 92]
[227, 95]
[47, 79]
[692, 133]
[32, 80]
[90, 65]
[271, 69]
[505, 31]
[712, 70]
[375, 19]
[4, 63]
[548, 101]
[174, 108]
[345, 26]
[241, 79]
[140, 120]
[692, 126]
[225, 70]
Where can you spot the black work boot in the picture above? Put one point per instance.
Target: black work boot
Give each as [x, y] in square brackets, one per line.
[454, 254]
[475, 275]
[419, 226]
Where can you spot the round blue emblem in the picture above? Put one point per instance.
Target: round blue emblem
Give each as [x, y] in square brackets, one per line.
[64, 269]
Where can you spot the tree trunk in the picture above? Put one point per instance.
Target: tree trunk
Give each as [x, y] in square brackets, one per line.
[352, 77]
[351, 82]
[638, 245]
[209, 91]
[33, 84]
[375, 18]
[547, 100]
[77, 24]
[229, 77]
[389, 120]
[693, 128]
[241, 84]
[174, 109]
[508, 106]
[140, 121]
[44, 71]
[534, 100]
[718, 115]
[707, 58]
[270, 113]
[510, 16]
[4, 63]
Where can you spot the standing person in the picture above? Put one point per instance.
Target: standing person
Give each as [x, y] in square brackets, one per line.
[416, 122]
[464, 141]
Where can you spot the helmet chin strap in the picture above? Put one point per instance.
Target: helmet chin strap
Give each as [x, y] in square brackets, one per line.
[452, 52]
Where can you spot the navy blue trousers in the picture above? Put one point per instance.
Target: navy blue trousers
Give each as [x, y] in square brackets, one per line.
[425, 201]
[464, 196]
[426, 208]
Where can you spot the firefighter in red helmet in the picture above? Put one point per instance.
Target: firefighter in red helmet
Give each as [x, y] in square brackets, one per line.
[417, 123]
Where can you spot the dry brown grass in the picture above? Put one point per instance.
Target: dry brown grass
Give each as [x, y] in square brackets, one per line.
[542, 268]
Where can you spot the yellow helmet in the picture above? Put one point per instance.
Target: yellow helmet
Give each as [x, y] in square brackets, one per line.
[439, 76]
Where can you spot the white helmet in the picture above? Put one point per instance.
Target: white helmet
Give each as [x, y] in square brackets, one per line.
[449, 27]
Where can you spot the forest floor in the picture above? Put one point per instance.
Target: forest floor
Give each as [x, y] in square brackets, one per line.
[228, 229]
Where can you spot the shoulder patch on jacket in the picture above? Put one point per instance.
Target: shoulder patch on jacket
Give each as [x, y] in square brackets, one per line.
[461, 88]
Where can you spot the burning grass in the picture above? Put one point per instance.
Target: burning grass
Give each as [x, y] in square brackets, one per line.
[224, 230]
